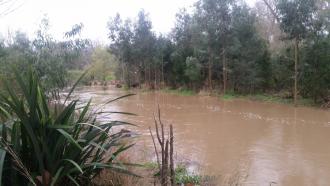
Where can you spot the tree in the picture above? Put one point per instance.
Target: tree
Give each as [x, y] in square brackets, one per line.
[144, 47]
[121, 35]
[214, 19]
[268, 26]
[103, 65]
[182, 36]
[315, 56]
[164, 49]
[248, 52]
[295, 18]
[316, 68]
[193, 70]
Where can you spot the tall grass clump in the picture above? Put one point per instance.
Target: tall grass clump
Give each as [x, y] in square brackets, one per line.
[47, 142]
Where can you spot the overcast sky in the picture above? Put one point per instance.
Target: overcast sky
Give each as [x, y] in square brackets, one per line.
[94, 14]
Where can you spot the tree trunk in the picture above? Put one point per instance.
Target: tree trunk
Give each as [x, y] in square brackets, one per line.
[155, 78]
[145, 72]
[295, 70]
[224, 70]
[163, 81]
[210, 70]
[172, 173]
[122, 73]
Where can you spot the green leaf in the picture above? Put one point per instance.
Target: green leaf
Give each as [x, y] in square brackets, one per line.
[74, 86]
[69, 138]
[59, 127]
[54, 179]
[2, 162]
[121, 97]
[73, 180]
[66, 113]
[83, 113]
[75, 164]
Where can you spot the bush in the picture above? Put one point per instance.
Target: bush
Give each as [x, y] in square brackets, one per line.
[47, 142]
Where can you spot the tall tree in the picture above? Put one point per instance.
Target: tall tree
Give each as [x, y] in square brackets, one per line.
[248, 53]
[144, 46]
[121, 36]
[182, 37]
[214, 18]
[295, 18]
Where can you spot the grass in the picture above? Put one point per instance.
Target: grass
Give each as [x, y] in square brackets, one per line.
[229, 96]
[180, 92]
[267, 98]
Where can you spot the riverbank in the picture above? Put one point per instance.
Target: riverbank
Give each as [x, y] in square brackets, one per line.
[271, 98]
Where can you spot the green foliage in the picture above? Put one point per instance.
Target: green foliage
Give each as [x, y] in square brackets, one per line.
[75, 74]
[316, 68]
[49, 142]
[193, 69]
[230, 95]
[248, 55]
[180, 92]
[121, 34]
[217, 39]
[50, 58]
[182, 176]
[103, 65]
[296, 17]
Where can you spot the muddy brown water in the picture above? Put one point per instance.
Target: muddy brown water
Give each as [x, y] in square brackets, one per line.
[254, 142]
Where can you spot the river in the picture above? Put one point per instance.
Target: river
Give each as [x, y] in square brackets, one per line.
[258, 143]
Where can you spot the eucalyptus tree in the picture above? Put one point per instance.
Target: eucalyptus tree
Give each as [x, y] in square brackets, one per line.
[182, 37]
[315, 70]
[54, 57]
[121, 35]
[164, 50]
[49, 62]
[77, 51]
[193, 71]
[144, 47]
[296, 18]
[214, 20]
[248, 53]
[268, 26]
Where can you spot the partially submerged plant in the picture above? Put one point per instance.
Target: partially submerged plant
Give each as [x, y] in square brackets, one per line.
[166, 163]
[47, 143]
[182, 176]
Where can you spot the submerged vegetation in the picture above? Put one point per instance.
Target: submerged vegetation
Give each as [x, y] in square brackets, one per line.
[182, 176]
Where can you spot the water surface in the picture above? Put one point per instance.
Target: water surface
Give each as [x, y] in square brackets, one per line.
[254, 142]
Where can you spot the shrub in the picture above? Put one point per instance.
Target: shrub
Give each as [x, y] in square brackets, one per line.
[47, 142]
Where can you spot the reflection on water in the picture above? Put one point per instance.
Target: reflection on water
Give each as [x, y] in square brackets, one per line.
[262, 142]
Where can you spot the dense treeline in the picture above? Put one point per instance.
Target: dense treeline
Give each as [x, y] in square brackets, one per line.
[223, 45]
[277, 47]
[50, 58]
